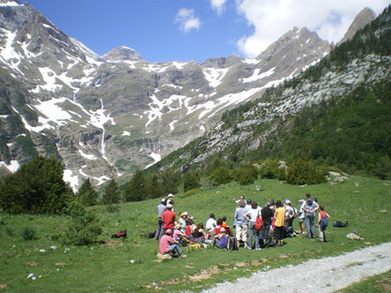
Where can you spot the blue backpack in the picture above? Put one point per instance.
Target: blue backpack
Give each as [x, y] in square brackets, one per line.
[324, 223]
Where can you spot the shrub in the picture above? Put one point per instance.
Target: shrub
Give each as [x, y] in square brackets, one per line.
[83, 228]
[269, 169]
[302, 172]
[246, 174]
[191, 180]
[191, 192]
[29, 233]
[221, 175]
[111, 208]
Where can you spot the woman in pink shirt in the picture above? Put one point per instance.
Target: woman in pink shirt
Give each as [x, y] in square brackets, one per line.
[321, 226]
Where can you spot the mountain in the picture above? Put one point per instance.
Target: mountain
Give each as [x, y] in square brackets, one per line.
[105, 116]
[360, 21]
[122, 53]
[337, 112]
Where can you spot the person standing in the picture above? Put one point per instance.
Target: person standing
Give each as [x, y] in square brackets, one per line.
[241, 222]
[168, 218]
[322, 227]
[267, 217]
[169, 245]
[290, 215]
[251, 216]
[309, 208]
[161, 208]
[301, 216]
[280, 219]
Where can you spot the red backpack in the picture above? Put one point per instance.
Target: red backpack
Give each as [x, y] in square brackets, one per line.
[258, 224]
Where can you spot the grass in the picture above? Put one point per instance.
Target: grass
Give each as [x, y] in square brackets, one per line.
[378, 283]
[130, 265]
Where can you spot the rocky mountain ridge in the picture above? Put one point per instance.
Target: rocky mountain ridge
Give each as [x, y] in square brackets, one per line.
[106, 116]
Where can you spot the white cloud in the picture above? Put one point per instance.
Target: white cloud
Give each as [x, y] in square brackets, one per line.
[272, 18]
[187, 20]
[218, 5]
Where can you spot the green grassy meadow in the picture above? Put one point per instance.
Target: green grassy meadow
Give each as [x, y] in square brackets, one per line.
[118, 265]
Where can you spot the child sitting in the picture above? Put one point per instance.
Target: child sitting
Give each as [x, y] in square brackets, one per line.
[221, 239]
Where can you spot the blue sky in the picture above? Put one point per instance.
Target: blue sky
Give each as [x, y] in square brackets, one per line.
[184, 30]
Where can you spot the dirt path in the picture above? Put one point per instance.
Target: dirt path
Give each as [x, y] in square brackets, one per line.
[319, 275]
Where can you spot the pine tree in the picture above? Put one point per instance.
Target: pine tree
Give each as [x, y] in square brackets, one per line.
[153, 186]
[37, 187]
[191, 180]
[170, 181]
[135, 189]
[86, 194]
[112, 194]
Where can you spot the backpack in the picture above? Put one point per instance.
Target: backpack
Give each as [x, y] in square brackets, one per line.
[120, 234]
[294, 213]
[233, 244]
[323, 223]
[258, 224]
[339, 224]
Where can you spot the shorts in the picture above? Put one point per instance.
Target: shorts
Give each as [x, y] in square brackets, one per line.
[278, 233]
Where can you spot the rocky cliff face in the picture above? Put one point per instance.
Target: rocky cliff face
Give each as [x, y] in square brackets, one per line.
[361, 20]
[106, 116]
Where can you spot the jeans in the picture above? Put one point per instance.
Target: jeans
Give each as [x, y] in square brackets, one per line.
[159, 231]
[253, 232]
[176, 250]
[310, 225]
[322, 236]
[265, 230]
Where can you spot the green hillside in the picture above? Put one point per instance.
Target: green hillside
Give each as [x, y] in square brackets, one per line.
[116, 265]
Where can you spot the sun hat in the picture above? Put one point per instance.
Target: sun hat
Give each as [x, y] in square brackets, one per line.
[168, 231]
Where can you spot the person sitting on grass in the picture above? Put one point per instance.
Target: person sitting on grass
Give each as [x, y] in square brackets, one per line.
[199, 233]
[189, 228]
[211, 226]
[219, 226]
[179, 236]
[168, 245]
[221, 239]
[225, 226]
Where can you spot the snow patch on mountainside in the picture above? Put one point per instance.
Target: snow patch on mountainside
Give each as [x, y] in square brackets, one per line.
[12, 167]
[215, 76]
[156, 158]
[257, 75]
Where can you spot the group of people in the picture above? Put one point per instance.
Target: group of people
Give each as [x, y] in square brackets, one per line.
[254, 226]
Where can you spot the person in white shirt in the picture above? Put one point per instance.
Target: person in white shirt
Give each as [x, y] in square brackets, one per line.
[211, 226]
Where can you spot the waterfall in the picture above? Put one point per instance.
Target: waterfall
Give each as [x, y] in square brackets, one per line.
[103, 145]
[75, 97]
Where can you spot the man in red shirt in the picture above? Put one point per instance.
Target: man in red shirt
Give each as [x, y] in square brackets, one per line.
[168, 218]
[167, 244]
